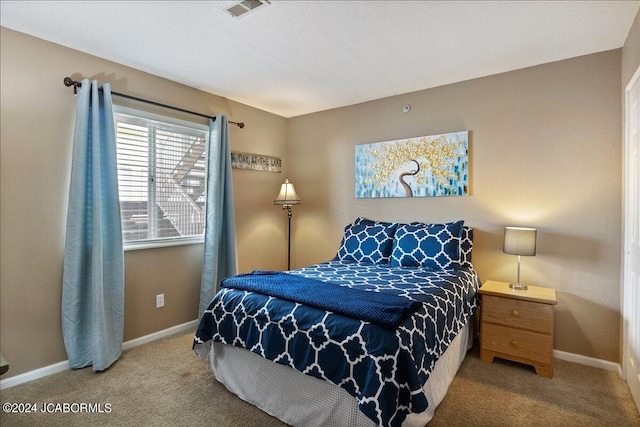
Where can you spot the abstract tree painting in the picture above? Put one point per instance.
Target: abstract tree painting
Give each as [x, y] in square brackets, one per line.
[436, 165]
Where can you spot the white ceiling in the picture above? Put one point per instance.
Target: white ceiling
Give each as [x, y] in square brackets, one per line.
[296, 57]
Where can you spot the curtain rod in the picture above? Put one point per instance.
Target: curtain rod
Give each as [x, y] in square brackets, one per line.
[68, 81]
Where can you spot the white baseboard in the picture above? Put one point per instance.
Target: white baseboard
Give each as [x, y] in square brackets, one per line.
[63, 366]
[34, 375]
[161, 334]
[588, 361]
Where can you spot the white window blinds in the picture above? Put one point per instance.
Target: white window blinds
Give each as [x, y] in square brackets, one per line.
[161, 178]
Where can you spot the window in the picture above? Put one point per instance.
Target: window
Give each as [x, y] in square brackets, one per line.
[161, 179]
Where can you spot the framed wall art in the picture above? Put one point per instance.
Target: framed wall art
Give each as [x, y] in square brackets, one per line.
[435, 165]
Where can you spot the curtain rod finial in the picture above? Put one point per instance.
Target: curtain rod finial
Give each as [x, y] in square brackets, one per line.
[68, 82]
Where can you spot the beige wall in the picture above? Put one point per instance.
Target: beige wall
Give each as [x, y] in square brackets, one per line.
[545, 151]
[36, 133]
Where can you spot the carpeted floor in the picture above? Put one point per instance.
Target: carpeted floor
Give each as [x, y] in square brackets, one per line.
[164, 384]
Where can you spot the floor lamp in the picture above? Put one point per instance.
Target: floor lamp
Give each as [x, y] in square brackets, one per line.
[287, 198]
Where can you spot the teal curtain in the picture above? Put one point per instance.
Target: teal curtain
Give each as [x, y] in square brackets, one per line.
[93, 278]
[220, 255]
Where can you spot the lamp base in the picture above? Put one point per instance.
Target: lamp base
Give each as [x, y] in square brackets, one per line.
[518, 286]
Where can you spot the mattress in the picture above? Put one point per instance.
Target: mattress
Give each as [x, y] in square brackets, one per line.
[301, 400]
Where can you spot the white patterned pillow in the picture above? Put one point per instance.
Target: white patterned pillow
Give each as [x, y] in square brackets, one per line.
[435, 246]
[367, 242]
[466, 245]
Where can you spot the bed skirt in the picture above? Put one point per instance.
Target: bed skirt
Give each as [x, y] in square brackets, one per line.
[301, 400]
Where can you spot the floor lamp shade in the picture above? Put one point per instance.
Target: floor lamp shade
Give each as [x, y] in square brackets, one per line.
[287, 195]
[287, 198]
[519, 241]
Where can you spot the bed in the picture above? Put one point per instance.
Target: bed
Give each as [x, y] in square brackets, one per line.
[371, 337]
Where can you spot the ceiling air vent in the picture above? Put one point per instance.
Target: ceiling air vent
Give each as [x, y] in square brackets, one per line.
[241, 8]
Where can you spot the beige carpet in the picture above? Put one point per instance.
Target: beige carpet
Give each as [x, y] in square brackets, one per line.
[165, 384]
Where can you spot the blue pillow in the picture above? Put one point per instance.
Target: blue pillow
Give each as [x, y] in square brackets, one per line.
[364, 242]
[366, 221]
[435, 246]
[466, 245]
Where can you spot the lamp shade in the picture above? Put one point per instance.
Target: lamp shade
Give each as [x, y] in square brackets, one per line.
[287, 196]
[520, 241]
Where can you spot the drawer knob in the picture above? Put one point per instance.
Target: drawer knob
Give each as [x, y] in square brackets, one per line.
[514, 343]
[515, 313]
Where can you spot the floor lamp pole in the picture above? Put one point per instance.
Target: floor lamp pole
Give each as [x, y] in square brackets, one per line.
[289, 239]
[287, 198]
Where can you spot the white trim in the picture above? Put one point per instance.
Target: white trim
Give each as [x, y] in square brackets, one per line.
[633, 80]
[627, 293]
[625, 303]
[34, 375]
[161, 334]
[174, 241]
[588, 361]
[64, 366]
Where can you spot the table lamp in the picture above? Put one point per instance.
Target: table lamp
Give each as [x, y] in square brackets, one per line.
[519, 241]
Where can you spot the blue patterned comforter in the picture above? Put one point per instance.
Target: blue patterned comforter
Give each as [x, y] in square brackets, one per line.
[383, 369]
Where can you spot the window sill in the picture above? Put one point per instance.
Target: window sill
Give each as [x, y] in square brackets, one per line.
[162, 243]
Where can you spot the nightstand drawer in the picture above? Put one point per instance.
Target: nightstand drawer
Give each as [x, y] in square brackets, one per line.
[522, 344]
[517, 313]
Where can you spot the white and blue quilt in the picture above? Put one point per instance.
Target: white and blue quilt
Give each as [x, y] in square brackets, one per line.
[373, 329]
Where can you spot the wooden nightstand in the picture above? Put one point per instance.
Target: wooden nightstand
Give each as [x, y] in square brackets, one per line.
[518, 325]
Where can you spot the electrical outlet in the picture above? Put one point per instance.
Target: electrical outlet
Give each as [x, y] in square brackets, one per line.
[159, 300]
